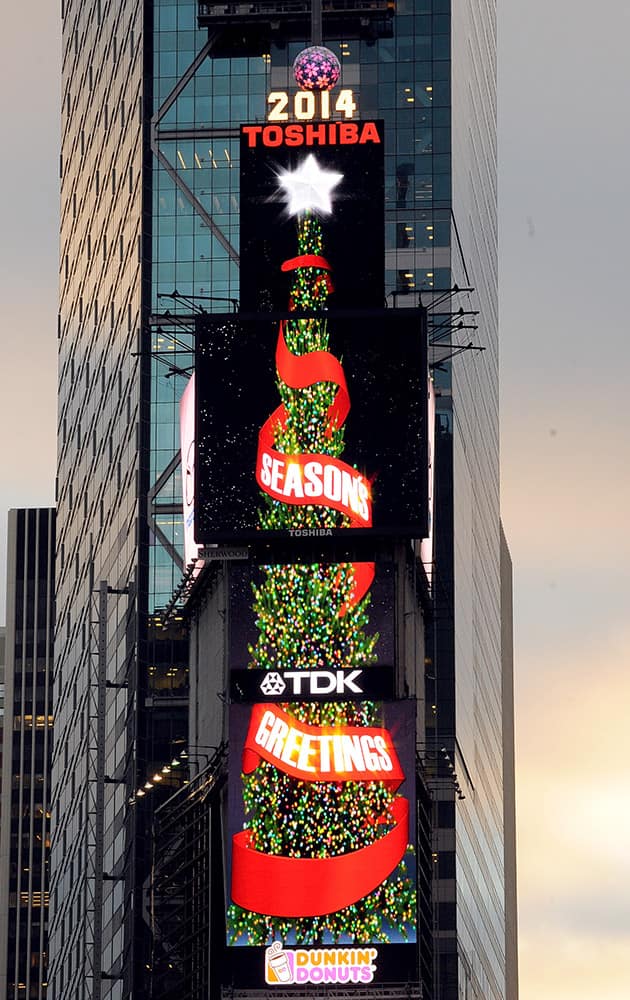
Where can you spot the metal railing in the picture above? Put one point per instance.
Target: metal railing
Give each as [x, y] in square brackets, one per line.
[287, 9]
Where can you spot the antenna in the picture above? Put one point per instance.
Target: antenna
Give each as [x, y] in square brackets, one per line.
[316, 22]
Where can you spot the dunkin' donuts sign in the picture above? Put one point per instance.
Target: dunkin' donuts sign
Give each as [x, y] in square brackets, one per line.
[296, 966]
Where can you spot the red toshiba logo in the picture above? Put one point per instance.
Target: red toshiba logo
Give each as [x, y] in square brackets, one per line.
[323, 134]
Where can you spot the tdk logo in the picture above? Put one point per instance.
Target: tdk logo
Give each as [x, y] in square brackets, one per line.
[311, 682]
[272, 684]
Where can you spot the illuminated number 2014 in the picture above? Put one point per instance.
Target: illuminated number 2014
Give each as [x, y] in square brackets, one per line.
[308, 105]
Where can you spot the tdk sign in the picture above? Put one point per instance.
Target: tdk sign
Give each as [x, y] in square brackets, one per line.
[312, 685]
[305, 683]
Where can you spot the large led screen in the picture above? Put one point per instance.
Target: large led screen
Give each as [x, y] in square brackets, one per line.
[281, 645]
[311, 426]
[312, 191]
[321, 835]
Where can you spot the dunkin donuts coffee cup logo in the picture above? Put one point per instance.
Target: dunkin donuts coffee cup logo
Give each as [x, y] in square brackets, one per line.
[279, 965]
[319, 965]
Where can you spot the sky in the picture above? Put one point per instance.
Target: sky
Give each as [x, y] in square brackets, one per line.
[564, 164]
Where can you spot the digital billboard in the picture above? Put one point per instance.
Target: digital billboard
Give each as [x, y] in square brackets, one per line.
[187, 452]
[263, 656]
[321, 871]
[320, 838]
[426, 544]
[312, 401]
[311, 426]
[332, 170]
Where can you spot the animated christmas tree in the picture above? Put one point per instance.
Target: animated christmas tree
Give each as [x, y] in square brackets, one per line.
[314, 617]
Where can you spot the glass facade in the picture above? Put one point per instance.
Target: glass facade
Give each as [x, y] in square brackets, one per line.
[476, 521]
[150, 199]
[199, 103]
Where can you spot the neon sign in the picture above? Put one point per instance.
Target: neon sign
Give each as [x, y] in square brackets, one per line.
[320, 134]
[350, 151]
[311, 478]
[308, 105]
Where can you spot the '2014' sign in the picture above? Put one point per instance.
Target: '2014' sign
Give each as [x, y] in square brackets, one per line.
[307, 105]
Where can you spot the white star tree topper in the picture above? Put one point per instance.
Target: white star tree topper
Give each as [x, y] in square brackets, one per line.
[308, 188]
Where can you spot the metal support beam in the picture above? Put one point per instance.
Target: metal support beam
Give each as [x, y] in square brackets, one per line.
[183, 82]
[316, 22]
[153, 509]
[196, 204]
[99, 818]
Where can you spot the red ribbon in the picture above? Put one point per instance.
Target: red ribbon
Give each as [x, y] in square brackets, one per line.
[332, 483]
[305, 260]
[320, 753]
[299, 371]
[363, 577]
[311, 887]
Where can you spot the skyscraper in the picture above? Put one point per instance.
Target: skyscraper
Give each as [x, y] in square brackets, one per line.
[153, 97]
[26, 754]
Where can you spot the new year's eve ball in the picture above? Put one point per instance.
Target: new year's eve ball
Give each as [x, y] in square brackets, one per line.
[316, 68]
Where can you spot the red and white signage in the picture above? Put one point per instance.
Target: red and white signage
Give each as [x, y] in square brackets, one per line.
[187, 441]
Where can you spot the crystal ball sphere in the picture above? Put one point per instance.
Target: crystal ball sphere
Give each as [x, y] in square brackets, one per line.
[316, 68]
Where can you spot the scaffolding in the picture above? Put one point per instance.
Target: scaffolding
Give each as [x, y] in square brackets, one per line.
[187, 833]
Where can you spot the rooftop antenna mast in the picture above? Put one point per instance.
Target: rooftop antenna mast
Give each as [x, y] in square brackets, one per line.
[316, 22]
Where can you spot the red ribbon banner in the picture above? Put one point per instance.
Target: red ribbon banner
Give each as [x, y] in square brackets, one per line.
[311, 887]
[315, 479]
[320, 753]
[305, 260]
[312, 478]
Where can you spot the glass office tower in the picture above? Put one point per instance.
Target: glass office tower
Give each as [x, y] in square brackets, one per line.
[153, 96]
[26, 755]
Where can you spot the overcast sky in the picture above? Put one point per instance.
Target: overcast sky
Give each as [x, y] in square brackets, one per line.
[564, 86]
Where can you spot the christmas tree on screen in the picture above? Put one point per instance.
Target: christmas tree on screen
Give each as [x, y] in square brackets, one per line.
[314, 617]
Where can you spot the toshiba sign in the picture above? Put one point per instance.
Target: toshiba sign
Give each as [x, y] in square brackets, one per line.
[312, 134]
